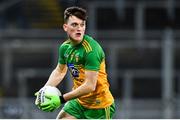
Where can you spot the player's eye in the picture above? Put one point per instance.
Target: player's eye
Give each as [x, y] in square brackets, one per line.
[74, 24]
[82, 25]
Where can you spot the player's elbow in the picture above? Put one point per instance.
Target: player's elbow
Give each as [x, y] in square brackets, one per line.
[91, 88]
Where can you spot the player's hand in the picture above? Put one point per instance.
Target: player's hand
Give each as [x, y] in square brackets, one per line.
[52, 102]
[37, 102]
[38, 98]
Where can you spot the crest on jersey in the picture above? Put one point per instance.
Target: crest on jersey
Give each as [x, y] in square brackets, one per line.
[74, 71]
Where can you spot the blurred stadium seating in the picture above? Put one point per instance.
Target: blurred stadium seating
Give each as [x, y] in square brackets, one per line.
[141, 39]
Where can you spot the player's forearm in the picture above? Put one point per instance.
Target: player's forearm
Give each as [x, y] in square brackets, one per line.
[55, 78]
[88, 86]
[77, 93]
[80, 91]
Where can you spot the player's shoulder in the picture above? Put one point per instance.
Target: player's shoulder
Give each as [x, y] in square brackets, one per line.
[91, 41]
[66, 43]
[89, 38]
[91, 44]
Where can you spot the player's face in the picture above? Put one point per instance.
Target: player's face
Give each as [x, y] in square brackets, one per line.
[75, 28]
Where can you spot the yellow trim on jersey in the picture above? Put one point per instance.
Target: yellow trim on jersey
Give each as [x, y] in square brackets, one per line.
[107, 112]
[86, 45]
[78, 66]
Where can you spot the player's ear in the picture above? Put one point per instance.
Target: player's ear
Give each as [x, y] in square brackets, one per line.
[65, 27]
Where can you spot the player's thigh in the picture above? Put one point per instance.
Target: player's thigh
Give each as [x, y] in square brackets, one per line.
[64, 115]
[73, 108]
[104, 113]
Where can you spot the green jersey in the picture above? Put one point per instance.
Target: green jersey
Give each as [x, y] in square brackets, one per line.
[87, 55]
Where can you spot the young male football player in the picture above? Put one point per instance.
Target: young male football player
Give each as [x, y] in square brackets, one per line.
[90, 97]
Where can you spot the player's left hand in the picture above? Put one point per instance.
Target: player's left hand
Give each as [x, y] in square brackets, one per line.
[52, 102]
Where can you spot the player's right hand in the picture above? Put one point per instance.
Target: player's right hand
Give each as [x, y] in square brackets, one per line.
[37, 102]
[39, 98]
[52, 102]
[48, 102]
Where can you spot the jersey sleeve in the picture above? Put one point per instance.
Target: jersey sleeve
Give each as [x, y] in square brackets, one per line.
[94, 59]
[61, 51]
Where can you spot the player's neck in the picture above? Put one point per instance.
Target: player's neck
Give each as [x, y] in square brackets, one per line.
[75, 42]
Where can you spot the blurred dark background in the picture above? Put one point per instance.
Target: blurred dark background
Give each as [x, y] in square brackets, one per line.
[141, 39]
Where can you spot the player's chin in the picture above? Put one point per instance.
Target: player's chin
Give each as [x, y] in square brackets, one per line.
[79, 38]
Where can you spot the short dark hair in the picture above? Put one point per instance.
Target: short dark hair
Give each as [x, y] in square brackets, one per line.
[75, 11]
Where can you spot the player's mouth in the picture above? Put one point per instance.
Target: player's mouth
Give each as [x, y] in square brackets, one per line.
[78, 34]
